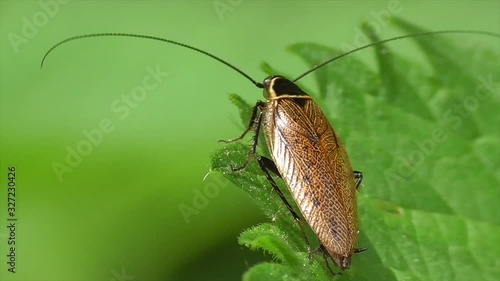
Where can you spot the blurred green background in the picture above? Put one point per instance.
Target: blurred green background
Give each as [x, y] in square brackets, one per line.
[115, 216]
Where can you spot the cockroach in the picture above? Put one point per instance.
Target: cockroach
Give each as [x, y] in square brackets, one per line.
[306, 152]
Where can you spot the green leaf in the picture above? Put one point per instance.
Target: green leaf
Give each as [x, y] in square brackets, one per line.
[428, 143]
[243, 106]
[270, 238]
[269, 272]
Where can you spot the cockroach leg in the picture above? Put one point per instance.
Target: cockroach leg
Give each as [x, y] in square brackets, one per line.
[251, 125]
[358, 176]
[325, 255]
[257, 122]
[267, 165]
[321, 249]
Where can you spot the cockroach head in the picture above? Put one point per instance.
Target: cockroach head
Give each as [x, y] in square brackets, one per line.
[344, 262]
[275, 86]
[269, 85]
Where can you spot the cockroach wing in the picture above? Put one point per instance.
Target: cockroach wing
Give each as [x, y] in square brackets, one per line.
[316, 168]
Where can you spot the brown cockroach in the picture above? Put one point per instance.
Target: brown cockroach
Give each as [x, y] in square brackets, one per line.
[306, 153]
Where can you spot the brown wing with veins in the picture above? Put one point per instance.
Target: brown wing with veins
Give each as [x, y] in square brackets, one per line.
[314, 163]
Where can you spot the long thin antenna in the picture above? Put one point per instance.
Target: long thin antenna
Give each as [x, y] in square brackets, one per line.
[393, 39]
[259, 85]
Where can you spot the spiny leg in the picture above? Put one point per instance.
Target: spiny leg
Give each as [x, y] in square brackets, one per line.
[358, 176]
[258, 124]
[267, 165]
[251, 125]
[323, 250]
[325, 254]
